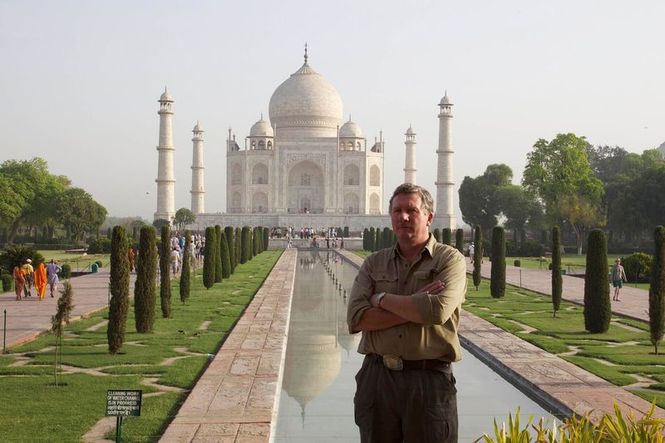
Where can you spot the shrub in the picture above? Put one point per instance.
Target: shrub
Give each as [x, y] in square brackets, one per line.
[366, 239]
[266, 238]
[517, 263]
[7, 282]
[230, 240]
[557, 281]
[144, 287]
[218, 253]
[65, 271]
[446, 236]
[437, 234]
[477, 255]
[387, 240]
[637, 266]
[209, 259]
[98, 263]
[165, 271]
[16, 256]
[119, 288]
[657, 289]
[256, 242]
[238, 244]
[498, 272]
[459, 240]
[245, 245]
[102, 245]
[528, 248]
[226, 259]
[345, 232]
[597, 307]
[185, 281]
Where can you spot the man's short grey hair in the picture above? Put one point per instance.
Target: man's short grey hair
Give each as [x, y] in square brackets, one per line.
[427, 203]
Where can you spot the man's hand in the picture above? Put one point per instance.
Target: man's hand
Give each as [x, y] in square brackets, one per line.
[433, 288]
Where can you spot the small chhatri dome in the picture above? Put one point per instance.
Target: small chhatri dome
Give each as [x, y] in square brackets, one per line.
[261, 129]
[198, 127]
[350, 129]
[445, 100]
[410, 131]
[166, 97]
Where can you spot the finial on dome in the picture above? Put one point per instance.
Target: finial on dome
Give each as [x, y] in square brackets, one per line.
[305, 52]
[262, 116]
[349, 117]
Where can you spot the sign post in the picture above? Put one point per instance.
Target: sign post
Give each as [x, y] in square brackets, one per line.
[123, 403]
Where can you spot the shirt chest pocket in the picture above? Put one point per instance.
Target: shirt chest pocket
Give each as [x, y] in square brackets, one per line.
[385, 282]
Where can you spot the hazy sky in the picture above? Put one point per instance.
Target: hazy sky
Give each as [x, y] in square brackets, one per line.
[80, 80]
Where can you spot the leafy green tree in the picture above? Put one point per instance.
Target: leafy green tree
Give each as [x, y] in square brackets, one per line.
[119, 288]
[183, 217]
[209, 258]
[581, 214]
[478, 196]
[597, 307]
[218, 254]
[165, 270]
[521, 210]
[230, 239]
[498, 270]
[657, 290]
[459, 240]
[226, 258]
[144, 287]
[557, 281]
[185, 273]
[477, 255]
[245, 245]
[446, 236]
[558, 172]
[79, 213]
[160, 223]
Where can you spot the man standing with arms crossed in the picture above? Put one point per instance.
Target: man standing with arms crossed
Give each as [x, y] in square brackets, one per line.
[406, 300]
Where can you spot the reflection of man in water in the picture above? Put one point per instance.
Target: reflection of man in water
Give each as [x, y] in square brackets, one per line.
[406, 300]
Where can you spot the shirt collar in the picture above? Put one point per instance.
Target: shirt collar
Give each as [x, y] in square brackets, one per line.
[429, 247]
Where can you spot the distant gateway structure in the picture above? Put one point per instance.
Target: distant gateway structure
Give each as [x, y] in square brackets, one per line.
[303, 167]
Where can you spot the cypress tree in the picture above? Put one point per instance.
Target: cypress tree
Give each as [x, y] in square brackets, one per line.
[557, 280]
[477, 255]
[185, 277]
[657, 289]
[119, 287]
[498, 270]
[437, 234]
[209, 258]
[256, 241]
[365, 235]
[597, 307]
[245, 245]
[218, 254]
[226, 259]
[345, 233]
[446, 236]
[459, 240]
[238, 247]
[266, 238]
[371, 240]
[165, 271]
[387, 240]
[230, 240]
[250, 247]
[144, 287]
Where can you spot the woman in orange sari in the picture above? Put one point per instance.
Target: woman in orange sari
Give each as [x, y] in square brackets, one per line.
[40, 280]
[19, 281]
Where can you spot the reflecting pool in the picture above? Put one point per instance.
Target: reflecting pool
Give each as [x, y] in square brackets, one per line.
[316, 401]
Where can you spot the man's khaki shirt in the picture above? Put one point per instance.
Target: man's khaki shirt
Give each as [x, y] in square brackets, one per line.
[388, 271]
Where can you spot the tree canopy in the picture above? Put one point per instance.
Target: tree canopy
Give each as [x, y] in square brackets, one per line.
[183, 217]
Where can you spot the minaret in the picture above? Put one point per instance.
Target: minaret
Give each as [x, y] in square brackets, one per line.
[410, 160]
[444, 210]
[165, 177]
[198, 186]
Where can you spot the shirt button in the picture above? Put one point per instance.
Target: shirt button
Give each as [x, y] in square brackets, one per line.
[400, 336]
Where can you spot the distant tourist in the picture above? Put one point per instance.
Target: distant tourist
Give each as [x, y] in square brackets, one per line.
[618, 277]
[19, 281]
[28, 272]
[52, 270]
[40, 280]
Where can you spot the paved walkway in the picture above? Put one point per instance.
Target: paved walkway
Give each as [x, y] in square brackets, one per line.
[634, 302]
[30, 317]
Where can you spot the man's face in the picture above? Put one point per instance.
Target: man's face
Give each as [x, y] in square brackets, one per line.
[410, 222]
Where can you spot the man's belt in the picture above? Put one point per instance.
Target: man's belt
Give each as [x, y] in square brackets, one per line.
[395, 363]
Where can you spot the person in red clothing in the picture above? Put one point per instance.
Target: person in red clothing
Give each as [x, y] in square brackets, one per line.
[40, 280]
[19, 281]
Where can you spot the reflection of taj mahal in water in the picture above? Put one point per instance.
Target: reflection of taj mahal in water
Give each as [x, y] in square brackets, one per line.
[303, 167]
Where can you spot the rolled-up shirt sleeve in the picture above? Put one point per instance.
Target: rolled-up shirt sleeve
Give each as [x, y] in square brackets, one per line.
[436, 309]
[363, 288]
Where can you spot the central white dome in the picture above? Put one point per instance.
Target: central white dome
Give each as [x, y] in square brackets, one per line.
[306, 100]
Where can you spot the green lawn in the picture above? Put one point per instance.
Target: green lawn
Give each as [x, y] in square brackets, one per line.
[33, 409]
[618, 356]
[78, 262]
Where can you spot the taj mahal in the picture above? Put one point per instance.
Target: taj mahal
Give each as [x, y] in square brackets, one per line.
[303, 166]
